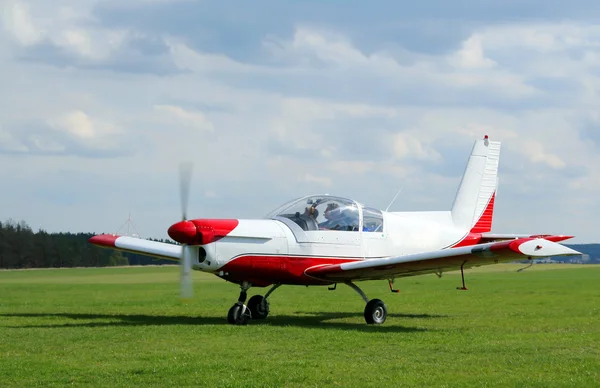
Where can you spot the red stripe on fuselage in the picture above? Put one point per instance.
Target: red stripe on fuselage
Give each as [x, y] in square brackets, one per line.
[483, 225]
[469, 239]
[264, 270]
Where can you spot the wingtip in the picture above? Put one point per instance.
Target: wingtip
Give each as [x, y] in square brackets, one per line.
[104, 240]
[542, 247]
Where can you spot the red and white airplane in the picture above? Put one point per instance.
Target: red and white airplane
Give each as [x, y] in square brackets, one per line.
[324, 240]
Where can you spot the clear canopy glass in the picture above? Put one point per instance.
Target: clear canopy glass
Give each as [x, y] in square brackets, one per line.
[326, 212]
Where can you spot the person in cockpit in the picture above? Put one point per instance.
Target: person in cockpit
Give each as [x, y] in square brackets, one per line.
[337, 219]
[311, 211]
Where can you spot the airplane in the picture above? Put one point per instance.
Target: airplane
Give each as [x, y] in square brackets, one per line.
[322, 240]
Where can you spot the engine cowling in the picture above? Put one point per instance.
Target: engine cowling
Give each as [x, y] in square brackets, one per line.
[201, 231]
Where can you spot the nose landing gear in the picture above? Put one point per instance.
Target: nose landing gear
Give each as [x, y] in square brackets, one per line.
[239, 313]
[257, 308]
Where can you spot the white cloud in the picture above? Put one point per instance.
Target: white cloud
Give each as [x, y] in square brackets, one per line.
[407, 145]
[316, 109]
[17, 21]
[196, 119]
[69, 27]
[471, 55]
[537, 154]
[187, 58]
[79, 124]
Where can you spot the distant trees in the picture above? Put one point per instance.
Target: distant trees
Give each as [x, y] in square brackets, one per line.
[21, 247]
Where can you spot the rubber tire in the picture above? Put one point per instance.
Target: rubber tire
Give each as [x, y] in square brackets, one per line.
[235, 316]
[375, 312]
[259, 307]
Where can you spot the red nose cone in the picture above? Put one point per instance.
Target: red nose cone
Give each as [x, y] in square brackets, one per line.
[183, 232]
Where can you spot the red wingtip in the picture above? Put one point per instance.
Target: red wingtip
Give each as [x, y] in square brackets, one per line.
[104, 240]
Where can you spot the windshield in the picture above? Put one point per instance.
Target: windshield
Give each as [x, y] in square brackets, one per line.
[321, 212]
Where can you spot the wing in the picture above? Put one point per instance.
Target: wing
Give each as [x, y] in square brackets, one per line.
[440, 261]
[138, 245]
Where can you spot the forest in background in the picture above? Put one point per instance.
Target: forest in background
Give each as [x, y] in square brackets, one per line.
[21, 247]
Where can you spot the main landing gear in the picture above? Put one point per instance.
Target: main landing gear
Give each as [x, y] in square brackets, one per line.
[257, 308]
[375, 310]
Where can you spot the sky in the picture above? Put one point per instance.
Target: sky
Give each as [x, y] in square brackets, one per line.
[100, 102]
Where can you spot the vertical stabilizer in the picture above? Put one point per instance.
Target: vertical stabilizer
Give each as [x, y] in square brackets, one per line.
[473, 207]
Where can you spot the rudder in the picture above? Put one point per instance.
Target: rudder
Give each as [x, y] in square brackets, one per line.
[473, 206]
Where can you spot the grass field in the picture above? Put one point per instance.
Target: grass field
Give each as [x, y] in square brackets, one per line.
[127, 327]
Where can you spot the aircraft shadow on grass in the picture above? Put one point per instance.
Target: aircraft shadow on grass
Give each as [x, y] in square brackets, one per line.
[312, 320]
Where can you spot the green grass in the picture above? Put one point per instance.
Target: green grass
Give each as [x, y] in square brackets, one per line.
[126, 327]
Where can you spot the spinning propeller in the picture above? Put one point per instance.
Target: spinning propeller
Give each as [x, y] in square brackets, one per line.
[185, 177]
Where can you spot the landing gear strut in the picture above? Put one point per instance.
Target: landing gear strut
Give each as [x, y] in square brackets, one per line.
[258, 306]
[462, 274]
[375, 310]
[239, 313]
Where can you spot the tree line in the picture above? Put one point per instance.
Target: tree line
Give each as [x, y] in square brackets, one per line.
[21, 247]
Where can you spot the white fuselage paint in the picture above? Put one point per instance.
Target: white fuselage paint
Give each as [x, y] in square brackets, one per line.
[403, 233]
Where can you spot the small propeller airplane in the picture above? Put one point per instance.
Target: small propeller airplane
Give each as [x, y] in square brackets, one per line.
[322, 240]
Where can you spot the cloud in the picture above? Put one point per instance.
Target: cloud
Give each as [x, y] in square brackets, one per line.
[17, 21]
[536, 153]
[73, 133]
[359, 103]
[471, 55]
[69, 36]
[196, 119]
[407, 145]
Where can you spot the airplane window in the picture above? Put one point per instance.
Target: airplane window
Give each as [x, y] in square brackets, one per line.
[323, 213]
[339, 216]
[372, 220]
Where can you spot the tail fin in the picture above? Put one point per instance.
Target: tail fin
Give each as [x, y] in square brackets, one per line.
[473, 207]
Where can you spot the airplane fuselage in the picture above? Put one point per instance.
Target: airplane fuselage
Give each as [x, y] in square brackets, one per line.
[268, 251]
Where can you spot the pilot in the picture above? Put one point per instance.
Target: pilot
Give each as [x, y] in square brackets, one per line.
[311, 211]
[333, 215]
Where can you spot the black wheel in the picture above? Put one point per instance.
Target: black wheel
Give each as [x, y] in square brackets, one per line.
[375, 312]
[238, 314]
[259, 307]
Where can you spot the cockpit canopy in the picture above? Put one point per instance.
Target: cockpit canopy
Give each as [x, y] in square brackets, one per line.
[326, 212]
